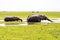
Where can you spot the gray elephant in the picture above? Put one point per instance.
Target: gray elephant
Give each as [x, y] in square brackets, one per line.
[37, 18]
[12, 18]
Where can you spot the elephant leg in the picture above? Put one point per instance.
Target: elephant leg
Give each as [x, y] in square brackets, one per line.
[39, 20]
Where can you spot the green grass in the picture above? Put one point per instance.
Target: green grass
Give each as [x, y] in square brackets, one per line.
[24, 15]
[38, 31]
[31, 32]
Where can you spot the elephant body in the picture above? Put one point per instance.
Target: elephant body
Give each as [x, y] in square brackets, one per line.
[37, 18]
[13, 18]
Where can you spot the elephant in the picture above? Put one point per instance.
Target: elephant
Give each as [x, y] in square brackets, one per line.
[37, 18]
[12, 18]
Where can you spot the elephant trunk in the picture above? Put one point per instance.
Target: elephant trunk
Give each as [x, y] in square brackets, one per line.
[49, 20]
[21, 20]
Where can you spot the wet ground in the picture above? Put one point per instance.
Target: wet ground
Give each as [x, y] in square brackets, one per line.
[55, 20]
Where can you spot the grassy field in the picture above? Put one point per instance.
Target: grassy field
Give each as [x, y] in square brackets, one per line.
[25, 14]
[39, 31]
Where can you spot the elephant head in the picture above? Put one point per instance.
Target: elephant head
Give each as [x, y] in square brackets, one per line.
[17, 19]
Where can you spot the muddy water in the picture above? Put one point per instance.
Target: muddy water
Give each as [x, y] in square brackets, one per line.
[55, 20]
[2, 23]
